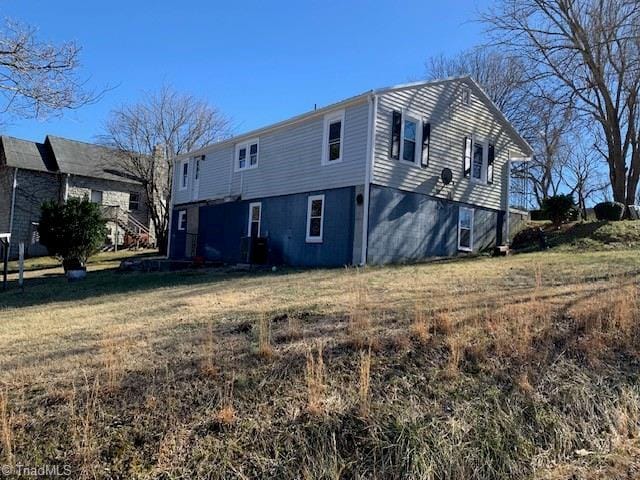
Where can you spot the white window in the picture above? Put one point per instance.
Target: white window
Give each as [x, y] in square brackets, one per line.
[182, 220]
[315, 218]
[477, 161]
[466, 95]
[255, 217]
[411, 138]
[184, 174]
[247, 155]
[333, 138]
[96, 197]
[465, 229]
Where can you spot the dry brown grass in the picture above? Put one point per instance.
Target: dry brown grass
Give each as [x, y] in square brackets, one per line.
[364, 405]
[548, 333]
[6, 428]
[265, 349]
[315, 379]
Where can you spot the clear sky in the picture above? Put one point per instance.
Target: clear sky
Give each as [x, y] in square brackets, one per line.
[257, 61]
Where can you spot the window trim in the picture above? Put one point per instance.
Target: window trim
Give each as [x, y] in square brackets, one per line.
[484, 172]
[236, 158]
[251, 205]
[460, 247]
[181, 215]
[330, 118]
[183, 179]
[417, 154]
[318, 239]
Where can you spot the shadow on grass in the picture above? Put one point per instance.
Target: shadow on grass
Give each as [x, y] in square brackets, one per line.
[44, 290]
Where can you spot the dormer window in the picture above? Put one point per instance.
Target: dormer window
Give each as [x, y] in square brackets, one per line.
[247, 155]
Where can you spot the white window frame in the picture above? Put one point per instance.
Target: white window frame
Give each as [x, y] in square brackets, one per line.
[319, 238]
[466, 95]
[246, 144]
[181, 215]
[417, 156]
[461, 247]
[182, 178]
[485, 159]
[251, 205]
[330, 118]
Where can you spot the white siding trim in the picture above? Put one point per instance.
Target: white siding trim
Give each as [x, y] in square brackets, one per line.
[309, 238]
[368, 176]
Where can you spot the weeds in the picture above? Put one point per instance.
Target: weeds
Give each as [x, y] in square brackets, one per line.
[6, 430]
[227, 413]
[265, 350]
[314, 374]
[209, 366]
[420, 326]
[365, 383]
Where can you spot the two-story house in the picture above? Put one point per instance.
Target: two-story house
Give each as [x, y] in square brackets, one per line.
[392, 175]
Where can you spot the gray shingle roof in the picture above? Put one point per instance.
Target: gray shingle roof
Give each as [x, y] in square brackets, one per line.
[27, 155]
[86, 159]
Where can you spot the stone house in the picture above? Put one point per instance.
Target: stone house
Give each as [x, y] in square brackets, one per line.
[57, 169]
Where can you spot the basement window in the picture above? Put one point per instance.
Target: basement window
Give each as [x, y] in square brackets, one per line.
[465, 229]
[315, 218]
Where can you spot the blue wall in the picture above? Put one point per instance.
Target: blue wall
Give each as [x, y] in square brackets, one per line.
[406, 226]
[284, 222]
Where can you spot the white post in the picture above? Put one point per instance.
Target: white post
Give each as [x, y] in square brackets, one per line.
[21, 264]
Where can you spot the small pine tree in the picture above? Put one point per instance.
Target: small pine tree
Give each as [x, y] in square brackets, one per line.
[72, 231]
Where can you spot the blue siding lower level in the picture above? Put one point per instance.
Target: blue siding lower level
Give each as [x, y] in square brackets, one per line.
[284, 222]
[407, 226]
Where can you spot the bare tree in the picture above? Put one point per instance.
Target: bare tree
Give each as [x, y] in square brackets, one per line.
[584, 53]
[583, 177]
[149, 134]
[37, 78]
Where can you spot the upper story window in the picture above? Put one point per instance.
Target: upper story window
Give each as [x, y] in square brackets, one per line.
[247, 155]
[196, 168]
[466, 95]
[184, 174]
[134, 201]
[333, 138]
[479, 157]
[410, 137]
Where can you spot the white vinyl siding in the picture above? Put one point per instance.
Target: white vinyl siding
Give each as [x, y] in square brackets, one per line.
[290, 161]
[450, 124]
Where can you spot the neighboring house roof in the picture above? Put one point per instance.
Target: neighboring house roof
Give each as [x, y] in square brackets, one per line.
[27, 155]
[87, 159]
[304, 116]
[60, 155]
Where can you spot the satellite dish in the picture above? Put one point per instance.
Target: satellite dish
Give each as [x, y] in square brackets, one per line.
[446, 176]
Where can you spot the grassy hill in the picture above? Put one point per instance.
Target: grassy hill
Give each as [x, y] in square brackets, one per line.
[487, 368]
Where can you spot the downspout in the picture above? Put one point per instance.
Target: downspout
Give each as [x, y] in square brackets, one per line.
[508, 203]
[373, 114]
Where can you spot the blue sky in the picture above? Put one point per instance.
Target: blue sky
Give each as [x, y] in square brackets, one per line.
[258, 62]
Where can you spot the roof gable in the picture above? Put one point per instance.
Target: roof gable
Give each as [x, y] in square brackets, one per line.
[28, 155]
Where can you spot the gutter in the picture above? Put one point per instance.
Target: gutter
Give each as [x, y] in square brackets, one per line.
[373, 117]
